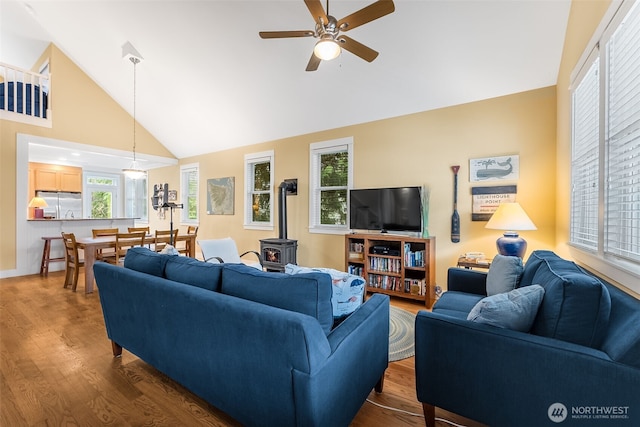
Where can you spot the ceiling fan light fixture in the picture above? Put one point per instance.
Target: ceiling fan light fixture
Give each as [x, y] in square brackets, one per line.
[327, 49]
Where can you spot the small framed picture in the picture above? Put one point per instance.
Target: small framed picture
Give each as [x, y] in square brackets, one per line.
[173, 196]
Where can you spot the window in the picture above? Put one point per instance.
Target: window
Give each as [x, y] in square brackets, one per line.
[258, 205]
[189, 177]
[102, 190]
[136, 203]
[331, 178]
[605, 158]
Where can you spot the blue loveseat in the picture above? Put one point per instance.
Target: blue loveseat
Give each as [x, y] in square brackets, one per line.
[578, 365]
[259, 346]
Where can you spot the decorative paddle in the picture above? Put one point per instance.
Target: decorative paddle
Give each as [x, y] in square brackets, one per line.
[455, 218]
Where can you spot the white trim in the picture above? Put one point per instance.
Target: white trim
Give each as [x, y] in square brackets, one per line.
[182, 197]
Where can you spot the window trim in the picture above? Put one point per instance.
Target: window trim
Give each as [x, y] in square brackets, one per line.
[315, 150]
[186, 168]
[249, 160]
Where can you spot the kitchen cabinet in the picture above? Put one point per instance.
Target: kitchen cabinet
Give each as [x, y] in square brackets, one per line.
[48, 177]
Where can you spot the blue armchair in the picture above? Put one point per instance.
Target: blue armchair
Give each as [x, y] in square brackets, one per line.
[580, 361]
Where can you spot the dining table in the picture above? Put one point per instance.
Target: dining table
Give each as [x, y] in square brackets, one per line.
[91, 245]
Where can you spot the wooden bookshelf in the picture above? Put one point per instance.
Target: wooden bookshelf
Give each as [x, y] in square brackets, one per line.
[395, 265]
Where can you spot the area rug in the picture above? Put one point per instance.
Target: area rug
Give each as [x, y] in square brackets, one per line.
[401, 324]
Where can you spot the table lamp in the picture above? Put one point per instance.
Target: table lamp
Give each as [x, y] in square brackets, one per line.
[38, 203]
[511, 218]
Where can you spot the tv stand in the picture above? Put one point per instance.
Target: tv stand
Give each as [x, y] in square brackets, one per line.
[404, 269]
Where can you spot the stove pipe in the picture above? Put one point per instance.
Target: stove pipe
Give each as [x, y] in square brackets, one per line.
[282, 210]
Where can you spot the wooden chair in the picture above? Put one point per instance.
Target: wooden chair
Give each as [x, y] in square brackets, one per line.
[134, 229]
[163, 238]
[187, 249]
[124, 241]
[72, 261]
[105, 254]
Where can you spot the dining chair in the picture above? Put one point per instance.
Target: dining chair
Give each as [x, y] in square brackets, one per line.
[72, 261]
[108, 253]
[186, 248]
[163, 238]
[225, 250]
[124, 241]
[146, 229]
[134, 229]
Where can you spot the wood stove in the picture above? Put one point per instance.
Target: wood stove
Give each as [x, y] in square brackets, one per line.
[276, 253]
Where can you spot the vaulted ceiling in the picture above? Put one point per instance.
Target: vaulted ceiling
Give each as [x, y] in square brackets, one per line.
[208, 82]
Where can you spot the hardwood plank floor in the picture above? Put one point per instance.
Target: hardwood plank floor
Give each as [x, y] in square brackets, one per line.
[56, 368]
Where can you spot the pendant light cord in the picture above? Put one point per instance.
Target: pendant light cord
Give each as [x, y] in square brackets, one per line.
[135, 62]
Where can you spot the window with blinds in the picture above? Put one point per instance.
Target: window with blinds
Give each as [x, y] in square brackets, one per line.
[331, 177]
[189, 177]
[259, 192]
[622, 139]
[605, 160]
[585, 159]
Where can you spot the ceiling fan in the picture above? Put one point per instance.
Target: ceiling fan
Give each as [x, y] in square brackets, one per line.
[328, 31]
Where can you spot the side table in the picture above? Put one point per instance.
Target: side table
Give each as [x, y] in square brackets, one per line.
[474, 263]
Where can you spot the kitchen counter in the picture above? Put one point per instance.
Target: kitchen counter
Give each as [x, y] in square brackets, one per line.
[80, 219]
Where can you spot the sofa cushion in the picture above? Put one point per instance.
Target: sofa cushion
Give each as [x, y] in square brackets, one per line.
[576, 305]
[347, 291]
[515, 310]
[308, 293]
[145, 260]
[504, 274]
[193, 272]
[535, 260]
[456, 304]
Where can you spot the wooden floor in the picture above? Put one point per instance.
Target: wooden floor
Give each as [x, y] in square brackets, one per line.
[56, 368]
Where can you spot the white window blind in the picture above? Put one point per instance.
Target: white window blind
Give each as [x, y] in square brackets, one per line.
[585, 159]
[622, 139]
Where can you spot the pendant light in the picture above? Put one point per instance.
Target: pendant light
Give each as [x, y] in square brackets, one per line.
[134, 171]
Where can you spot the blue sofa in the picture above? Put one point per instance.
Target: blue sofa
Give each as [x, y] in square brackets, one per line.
[259, 346]
[578, 365]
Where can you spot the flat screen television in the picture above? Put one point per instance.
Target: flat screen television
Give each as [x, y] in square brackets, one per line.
[386, 209]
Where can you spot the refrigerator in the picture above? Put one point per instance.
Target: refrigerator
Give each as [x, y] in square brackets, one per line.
[62, 205]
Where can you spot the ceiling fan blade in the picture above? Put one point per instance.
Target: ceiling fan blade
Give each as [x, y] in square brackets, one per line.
[357, 48]
[367, 14]
[314, 61]
[317, 11]
[283, 34]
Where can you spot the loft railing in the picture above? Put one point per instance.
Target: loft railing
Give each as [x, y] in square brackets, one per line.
[24, 96]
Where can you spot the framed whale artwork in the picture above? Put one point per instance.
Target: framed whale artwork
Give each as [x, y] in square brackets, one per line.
[496, 168]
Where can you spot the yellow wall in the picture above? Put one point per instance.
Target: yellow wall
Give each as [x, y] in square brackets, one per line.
[82, 113]
[410, 150]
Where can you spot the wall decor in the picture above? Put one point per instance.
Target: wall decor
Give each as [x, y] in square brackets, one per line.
[158, 198]
[494, 168]
[220, 196]
[172, 196]
[487, 199]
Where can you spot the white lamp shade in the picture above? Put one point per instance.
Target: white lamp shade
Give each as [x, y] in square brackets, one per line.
[510, 216]
[134, 171]
[327, 49]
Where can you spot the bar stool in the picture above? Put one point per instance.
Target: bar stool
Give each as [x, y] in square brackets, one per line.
[46, 255]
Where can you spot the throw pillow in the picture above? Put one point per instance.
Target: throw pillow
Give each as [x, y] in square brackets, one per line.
[348, 289]
[515, 310]
[169, 250]
[504, 274]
